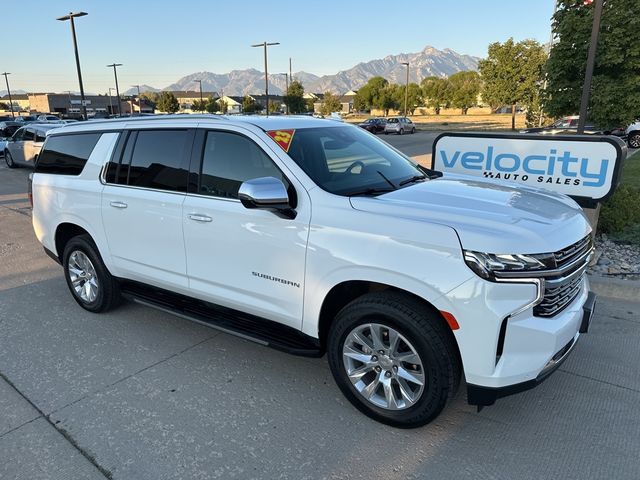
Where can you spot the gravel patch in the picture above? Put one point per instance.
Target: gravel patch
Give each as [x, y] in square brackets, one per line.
[616, 259]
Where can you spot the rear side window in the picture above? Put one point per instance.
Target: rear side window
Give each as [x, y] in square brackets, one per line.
[157, 160]
[29, 135]
[66, 154]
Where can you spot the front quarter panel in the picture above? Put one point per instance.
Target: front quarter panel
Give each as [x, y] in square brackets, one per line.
[347, 244]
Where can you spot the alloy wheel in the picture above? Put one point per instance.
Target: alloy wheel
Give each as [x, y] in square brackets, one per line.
[83, 276]
[383, 366]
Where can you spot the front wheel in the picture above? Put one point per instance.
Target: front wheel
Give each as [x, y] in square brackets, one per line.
[413, 130]
[393, 359]
[401, 132]
[88, 279]
[634, 140]
[9, 159]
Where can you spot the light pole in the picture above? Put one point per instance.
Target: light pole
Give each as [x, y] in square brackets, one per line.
[286, 77]
[6, 79]
[266, 74]
[591, 59]
[68, 92]
[139, 101]
[110, 102]
[70, 17]
[115, 74]
[200, 82]
[406, 89]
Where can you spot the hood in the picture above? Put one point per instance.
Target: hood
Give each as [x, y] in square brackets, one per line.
[488, 217]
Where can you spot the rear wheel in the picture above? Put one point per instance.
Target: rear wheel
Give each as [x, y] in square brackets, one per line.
[9, 159]
[634, 140]
[88, 279]
[393, 358]
[401, 132]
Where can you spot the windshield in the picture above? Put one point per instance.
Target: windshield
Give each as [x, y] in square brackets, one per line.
[349, 161]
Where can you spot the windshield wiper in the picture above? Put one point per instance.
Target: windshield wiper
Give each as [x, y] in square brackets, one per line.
[371, 191]
[413, 179]
[387, 180]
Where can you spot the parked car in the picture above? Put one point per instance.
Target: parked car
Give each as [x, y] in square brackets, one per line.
[8, 128]
[399, 125]
[633, 135]
[569, 125]
[409, 280]
[48, 119]
[25, 144]
[373, 125]
[27, 118]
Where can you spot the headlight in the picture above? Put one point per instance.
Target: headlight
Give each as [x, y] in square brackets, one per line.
[489, 265]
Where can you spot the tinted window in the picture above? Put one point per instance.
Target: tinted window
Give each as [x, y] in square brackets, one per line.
[230, 159]
[346, 160]
[66, 154]
[19, 135]
[29, 135]
[157, 160]
[40, 136]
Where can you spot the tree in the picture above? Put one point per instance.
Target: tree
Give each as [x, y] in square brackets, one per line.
[414, 97]
[330, 104]
[512, 74]
[150, 96]
[199, 105]
[212, 105]
[615, 91]
[465, 88]
[274, 106]
[294, 99]
[167, 102]
[436, 92]
[249, 105]
[372, 95]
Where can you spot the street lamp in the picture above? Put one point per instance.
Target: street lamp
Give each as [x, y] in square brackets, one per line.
[115, 74]
[591, 59]
[110, 102]
[70, 17]
[266, 74]
[6, 79]
[406, 89]
[200, 82]
[139, 101]
[286, 76]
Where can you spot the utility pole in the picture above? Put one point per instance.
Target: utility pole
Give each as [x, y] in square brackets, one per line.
[406, 89]
[115, 74]
[591, 60]
[266, 73]
[290, 72]
[110, 102]
[70, 17]
[6, 79]
[200, 82]
[139, 101]
[286, 106]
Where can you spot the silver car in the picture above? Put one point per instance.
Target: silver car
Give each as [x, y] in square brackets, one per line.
[25, 144]
[399, 125]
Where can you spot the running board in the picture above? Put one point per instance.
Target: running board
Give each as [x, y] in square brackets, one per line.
[249, 327]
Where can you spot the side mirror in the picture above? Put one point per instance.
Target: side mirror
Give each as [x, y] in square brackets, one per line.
[266, 193]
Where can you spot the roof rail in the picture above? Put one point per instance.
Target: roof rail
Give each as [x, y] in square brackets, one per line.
[141, 118]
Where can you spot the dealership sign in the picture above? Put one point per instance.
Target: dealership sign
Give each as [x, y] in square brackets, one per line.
[585, 167]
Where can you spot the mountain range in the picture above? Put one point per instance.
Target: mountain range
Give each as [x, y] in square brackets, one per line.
[427, 63]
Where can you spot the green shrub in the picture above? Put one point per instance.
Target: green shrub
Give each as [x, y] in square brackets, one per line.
[621, 211]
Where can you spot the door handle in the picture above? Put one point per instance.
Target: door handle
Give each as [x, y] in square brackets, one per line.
[118, 204]
[200, 218]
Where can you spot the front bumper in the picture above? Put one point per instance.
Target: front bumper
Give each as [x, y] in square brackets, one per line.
[484, 396]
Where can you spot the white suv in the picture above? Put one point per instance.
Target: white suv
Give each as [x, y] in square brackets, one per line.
[314, 236]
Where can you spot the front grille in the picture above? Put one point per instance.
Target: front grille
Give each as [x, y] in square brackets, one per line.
[560, 290]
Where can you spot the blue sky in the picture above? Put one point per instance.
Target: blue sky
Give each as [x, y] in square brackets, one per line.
[158, 41]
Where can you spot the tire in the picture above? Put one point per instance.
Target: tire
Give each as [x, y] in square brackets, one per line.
[107, 290]
[9, 159]
[413, 130]
[401, 132]
[419, 328]
[634, 140]
[386, 133]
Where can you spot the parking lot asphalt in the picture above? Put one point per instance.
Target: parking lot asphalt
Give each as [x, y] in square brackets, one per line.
[141, 394]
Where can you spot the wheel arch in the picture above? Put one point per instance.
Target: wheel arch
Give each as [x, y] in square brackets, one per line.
[343, 293]
[65, 232]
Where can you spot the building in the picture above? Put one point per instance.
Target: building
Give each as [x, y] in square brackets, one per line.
[20, 102]
[68, 105]
[186, 98]
[262, 100]
[233, 103]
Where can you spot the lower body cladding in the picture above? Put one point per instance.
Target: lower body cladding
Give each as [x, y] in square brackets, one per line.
[505, 353]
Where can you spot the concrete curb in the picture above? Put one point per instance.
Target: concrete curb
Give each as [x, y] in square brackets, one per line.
[615, 287]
